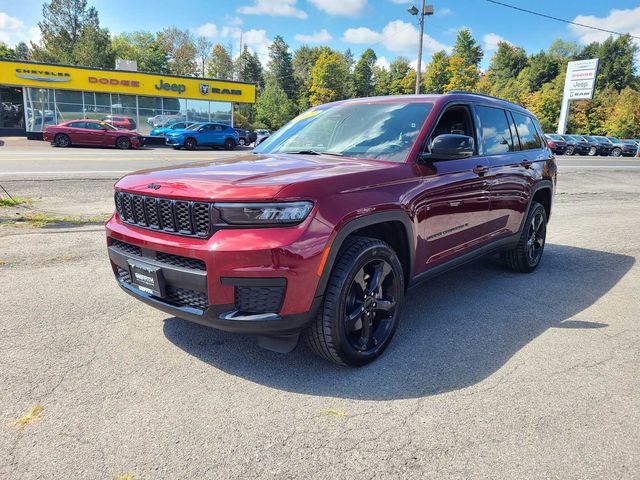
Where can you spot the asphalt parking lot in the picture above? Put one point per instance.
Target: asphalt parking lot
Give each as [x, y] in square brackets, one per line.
[491, 374]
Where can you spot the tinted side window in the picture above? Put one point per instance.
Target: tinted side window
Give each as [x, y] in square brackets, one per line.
[76, 125]
[526, 129]
[496, 135]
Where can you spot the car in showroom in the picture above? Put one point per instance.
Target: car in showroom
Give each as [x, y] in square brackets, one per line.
[203, 135]
[92, 132]
[120, 121]
[576, 145]
[162, 131]
[320, 231]
[556, 143]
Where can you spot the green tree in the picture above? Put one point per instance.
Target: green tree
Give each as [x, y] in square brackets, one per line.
[545, 103]
[6, 52]
[249, 68]
[328, 79]
[624, 119]
[203, 52]
[461, 76]
[22, 51]
[220, 64]
[304, 59]
[616, 68]
[381, 80]
[506, 65]
[564, 51]
[401, 73]
[468, 49]
[63, 23]
[280, 66]
[363, 74]
[273, 107]
[93, 49]
[181, 51]
[143, 47]
[542, 68]
[437, 74]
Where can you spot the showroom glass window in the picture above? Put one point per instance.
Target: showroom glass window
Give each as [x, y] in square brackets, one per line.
[496, 135]
[40, 109]
[12, 108]
[221, 112]
[148, 108]
[198, 110]
[69, 105]
[124, 106]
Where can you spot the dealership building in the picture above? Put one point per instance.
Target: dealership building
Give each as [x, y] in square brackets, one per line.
[34, 95]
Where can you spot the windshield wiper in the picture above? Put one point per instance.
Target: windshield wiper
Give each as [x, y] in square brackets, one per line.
[314, 152]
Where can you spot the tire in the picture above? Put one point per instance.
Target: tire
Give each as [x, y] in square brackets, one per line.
[570, 151]
[242, 142]
[190, 144]
[592, 151]
[357, 339]
[525, 256]
[62, 140]
[177, 147]
[123, 143]
[616, 152]
[229, 144]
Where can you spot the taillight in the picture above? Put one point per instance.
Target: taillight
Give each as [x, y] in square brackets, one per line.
[551, 143]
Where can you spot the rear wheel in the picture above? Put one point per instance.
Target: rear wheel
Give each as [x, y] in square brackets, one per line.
[592, 151]
[570, 151]
[123, 143]
[190, 144]
[229, 144]
[242, 142]
[616, 152]
[361, 306]
[62, 140]
[526, 255]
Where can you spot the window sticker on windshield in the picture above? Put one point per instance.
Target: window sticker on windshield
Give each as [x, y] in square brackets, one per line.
[304, 115]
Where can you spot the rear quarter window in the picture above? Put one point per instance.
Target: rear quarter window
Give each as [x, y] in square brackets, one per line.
[527, 131]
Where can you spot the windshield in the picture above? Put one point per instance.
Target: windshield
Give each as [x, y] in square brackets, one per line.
[614, 139]
[384, 131]
[108, 126]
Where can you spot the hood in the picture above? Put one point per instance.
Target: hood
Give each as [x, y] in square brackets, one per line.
[246, 177]
[177, 131]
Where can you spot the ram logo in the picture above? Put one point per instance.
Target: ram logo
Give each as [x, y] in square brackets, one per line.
[204, 88]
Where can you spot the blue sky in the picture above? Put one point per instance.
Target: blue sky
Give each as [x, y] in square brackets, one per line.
[357, 24]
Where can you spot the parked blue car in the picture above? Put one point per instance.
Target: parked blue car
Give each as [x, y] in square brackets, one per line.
[162, 131]
[203, 134]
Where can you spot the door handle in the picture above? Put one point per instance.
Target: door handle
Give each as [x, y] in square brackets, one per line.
[526, 163]
[480, 170]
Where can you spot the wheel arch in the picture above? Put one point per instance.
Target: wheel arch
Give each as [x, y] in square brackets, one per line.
[393, 227]
[541, 192]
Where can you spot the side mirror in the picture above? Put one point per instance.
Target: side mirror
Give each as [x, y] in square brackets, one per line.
[449, 146]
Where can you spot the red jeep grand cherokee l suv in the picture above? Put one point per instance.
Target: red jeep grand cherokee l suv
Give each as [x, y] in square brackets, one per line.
[325, 225]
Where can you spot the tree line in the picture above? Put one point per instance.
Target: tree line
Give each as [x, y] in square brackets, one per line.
[293, 81]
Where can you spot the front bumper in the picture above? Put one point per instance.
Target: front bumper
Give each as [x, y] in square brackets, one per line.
[253, 281]
[174, 141]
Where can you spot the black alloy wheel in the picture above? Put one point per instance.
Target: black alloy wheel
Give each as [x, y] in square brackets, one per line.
[123, 143]
[525, 256]
[570, 150]
[362, 304]
[190, 144]
[229, 144]
[62, 140]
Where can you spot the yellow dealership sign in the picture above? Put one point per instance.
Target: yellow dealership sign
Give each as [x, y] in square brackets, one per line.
[117, 81]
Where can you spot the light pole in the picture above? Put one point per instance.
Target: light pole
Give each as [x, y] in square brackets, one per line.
[424, 11]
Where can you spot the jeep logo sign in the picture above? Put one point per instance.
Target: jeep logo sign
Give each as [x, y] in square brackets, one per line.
[173, 87]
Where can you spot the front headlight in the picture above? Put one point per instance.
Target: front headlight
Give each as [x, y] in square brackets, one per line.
[286, 213]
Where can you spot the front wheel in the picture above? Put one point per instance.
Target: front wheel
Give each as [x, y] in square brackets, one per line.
[570, 151]
[242, 142]
[62, 140]
[123, 143]
[526, 255]
[190, 144]
[229, 144]
[362, 303]
[593, 151]
[616, 152]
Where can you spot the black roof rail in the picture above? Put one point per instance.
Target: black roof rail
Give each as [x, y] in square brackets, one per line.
[452, 92]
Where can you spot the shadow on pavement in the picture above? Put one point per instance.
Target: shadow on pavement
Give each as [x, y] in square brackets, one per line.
[455, 331]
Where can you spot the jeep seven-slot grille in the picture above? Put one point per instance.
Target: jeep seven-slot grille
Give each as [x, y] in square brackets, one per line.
[168, 258]
[179, 217]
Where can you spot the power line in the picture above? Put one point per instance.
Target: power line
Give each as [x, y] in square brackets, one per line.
[560, 19]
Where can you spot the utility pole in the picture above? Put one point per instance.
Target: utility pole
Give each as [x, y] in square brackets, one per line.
[424, 11]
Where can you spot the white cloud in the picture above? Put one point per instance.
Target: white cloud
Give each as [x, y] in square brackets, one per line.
[340, 7]
[383, 62]
[13, 30]
[397, 36]
[276, 8]
[623, 21]
[361, 35]
[490, 42]
[258, 42]
[209, 30]
[315, 37]
[234, 21]
[443, 12]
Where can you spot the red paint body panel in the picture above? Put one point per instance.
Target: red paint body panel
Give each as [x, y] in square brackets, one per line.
[85, 136]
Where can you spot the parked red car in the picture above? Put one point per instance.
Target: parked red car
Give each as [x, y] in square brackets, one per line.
[119, 121]
[322, 229]
[91, 132]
